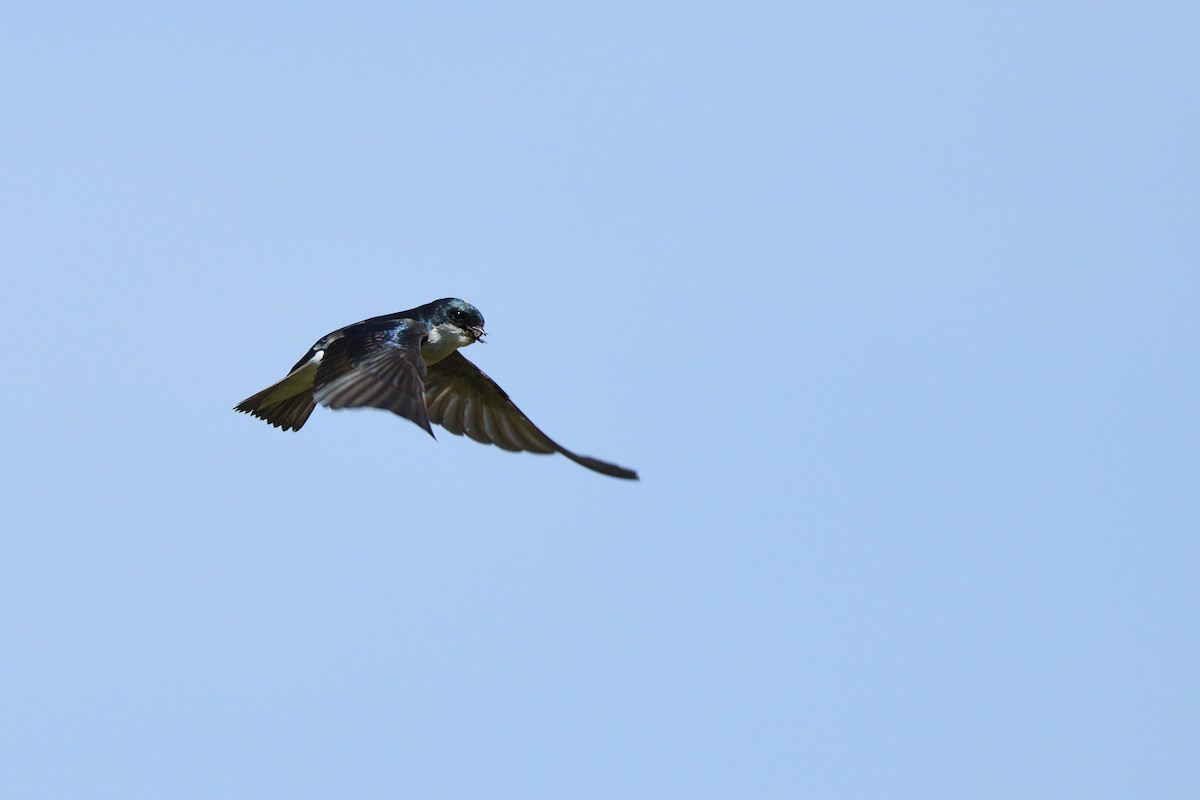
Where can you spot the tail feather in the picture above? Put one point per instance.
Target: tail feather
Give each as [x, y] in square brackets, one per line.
[286, 404]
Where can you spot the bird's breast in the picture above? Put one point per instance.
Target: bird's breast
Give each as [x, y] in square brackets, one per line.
[441, 341]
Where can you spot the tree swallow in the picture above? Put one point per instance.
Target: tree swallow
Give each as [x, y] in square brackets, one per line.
[408, 363]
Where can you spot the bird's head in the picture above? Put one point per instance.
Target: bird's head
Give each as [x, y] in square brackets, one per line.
[461, 315]
[452, 324]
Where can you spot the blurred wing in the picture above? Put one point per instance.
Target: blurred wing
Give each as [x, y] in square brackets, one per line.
[376, 369]
[463, 400]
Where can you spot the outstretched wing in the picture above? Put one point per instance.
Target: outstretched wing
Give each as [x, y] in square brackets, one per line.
[463, 400]
[376, 369]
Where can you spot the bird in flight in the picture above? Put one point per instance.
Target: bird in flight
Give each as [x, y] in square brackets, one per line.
[408, 363]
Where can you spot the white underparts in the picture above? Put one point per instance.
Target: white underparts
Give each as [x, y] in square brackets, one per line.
[442, 340]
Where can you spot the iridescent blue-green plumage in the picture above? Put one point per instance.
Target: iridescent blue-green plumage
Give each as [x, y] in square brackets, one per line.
[408, 363]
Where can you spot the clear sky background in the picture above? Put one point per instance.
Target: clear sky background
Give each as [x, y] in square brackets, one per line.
[893, 306]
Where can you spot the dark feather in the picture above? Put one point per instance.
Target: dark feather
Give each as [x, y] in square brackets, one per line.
[465, 401]
[377, 369]
[286, 404]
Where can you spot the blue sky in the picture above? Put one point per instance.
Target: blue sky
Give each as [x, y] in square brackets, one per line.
[894, 307]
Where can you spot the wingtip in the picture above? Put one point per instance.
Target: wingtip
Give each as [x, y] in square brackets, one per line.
[603, 467]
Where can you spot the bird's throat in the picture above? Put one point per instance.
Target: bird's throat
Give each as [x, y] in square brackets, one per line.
[441, 341]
